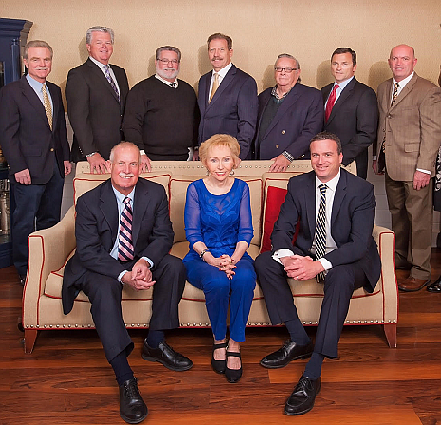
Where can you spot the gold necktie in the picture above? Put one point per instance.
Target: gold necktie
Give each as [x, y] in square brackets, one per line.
[47, 106]
[215, 85]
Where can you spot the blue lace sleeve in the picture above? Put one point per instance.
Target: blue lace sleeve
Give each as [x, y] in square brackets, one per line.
[246, 222]
[192, 216]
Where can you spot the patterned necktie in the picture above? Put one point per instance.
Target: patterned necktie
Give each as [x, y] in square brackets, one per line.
[320, 229]
[215, 85]
[331, 102]
[173, 85]
[47, 106]
[125, 249]
[110, 80]
[395, 93]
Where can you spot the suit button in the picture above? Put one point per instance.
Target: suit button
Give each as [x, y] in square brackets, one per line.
[51, 149]
[283, 131]
[277, 146]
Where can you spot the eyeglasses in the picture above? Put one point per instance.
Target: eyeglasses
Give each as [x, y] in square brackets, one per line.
[166, 61]
[286, 69]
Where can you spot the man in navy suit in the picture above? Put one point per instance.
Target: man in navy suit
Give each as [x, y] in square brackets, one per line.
[33, 138]
[290, 115]
[335, 212]
[353, 117]
[227, 97]
[95, 95]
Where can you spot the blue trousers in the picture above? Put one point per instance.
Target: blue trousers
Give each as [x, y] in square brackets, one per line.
[220, 291]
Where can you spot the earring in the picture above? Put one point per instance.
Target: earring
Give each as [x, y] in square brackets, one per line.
[208, 173]
[232, 173]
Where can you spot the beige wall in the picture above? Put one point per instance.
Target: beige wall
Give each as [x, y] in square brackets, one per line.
[308, 29]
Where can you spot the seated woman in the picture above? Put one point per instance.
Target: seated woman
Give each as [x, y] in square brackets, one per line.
[219, 228]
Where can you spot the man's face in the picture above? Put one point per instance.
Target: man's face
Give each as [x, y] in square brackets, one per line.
[342, 67]
[124, 170]
[167, 66]
[325, 160]
[402, 62]
[100, 47]
[283, 77]
[39, 63]
[219, 54]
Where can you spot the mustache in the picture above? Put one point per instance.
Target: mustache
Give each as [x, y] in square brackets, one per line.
[126, 175]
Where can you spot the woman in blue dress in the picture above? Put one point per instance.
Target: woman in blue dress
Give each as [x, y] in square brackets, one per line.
[219, 228]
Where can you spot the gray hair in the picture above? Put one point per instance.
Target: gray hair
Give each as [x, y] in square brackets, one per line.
[36, 43]
[171, 49]
[124, 144]
[287, 55]
[99, 29]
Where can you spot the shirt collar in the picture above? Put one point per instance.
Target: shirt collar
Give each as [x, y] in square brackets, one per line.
[276, 95]
[343, 84]
[332, 184]
[222, 72]
[120, 197]
[101, 65]
[167, 82]
[36, 85]
[404, 82]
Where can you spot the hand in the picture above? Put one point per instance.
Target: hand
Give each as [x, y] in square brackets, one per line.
[279, 165]
[420, 180]
[145, 164]
[67, 168]
[97, 164]
[23, 177]
[138, 284]
[223, 263]
[196, 155]
[374, 166]
[301, 268]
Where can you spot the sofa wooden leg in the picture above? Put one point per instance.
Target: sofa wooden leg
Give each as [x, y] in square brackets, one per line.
[30, 337]
[390, 329]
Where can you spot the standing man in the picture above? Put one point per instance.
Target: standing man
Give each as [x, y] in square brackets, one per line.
[409, 134]
[350, 110]
[227, 97]
[34, 142]
[95, 95]
[290, 115]
[336, 211]
[123, 233]
[162, 115]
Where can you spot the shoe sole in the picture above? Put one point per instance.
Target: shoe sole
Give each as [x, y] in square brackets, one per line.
[137, 421]
[414, 289]
[303, 356]
[155, 359]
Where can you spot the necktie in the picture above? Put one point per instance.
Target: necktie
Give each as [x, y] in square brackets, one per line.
[173, 85]
[331, 102]
[110, 80]
[215, 85]
[320, 229]
[47, 106]
[395, 93]
[125, 249]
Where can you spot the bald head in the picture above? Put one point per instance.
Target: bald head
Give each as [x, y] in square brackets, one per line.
[402, 61]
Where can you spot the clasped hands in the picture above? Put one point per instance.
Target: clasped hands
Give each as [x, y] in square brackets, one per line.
[140, 277]
[301, 268]
[224, 263]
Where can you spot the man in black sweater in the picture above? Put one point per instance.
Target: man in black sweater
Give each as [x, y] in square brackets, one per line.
[162, 114]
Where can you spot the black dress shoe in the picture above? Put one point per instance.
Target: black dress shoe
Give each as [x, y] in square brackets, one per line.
[233, 375]
[435, 286]
[289, 351]
[218, 366]
[131, 405]
[22, 280]
[303, 397]
[167, 356]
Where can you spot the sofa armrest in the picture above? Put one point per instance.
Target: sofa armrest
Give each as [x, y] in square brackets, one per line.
[48, 251]
[385, 240]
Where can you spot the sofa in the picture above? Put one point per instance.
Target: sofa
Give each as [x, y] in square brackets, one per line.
[50, 249]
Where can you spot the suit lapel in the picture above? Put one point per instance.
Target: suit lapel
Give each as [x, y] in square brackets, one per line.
[310, 204]
[340, 194]
[56, 105]
[33, 99]
[205, 87]
[223, 85]
[97, 71]
[109, 208]
[404, 92]
[346, 92]
[139, 206]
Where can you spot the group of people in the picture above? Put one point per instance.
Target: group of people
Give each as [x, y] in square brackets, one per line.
[123, 230]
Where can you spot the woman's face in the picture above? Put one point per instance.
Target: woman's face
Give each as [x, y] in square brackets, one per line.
[220, 162]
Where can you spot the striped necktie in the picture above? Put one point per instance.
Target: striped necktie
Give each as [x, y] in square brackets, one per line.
[320, 230]
[110, 80]
[47, 105]
[125, 249]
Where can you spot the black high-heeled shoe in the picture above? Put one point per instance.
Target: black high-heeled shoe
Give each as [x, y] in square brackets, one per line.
[233, 375]
[218, 366]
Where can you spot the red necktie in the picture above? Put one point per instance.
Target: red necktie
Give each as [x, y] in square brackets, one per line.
[125, 249]
[331, 103]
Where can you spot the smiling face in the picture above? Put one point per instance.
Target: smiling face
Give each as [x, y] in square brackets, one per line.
[342, 67]
[220, 162]
[402, 62]
[325, 159]
[39, 63]
[100, 47]
[124, 168]
[219, 54]
[167, 65]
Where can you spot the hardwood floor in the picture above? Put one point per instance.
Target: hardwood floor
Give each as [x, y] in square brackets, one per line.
[66, 380]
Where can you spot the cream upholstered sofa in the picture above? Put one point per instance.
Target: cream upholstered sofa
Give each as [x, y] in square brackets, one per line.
[50, 249]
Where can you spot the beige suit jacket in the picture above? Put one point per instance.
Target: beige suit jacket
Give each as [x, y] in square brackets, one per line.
[411, 127]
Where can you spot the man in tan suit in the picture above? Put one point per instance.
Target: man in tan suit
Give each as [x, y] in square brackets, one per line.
[409, 135]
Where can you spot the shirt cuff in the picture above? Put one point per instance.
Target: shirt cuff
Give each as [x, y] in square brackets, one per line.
[325, 264]
[90, 154]
[148, 261]
[424, 171]
[121, 276]
[141, 151]
[280, 253]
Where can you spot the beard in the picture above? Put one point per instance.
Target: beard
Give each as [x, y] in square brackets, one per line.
[168, 73]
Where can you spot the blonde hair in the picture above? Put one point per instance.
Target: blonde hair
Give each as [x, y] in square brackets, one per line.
[220, 140]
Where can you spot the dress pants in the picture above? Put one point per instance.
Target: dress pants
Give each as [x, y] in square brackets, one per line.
[105, 295]
[220, 291]
[339, 285]
[411, 212]
[37, 207]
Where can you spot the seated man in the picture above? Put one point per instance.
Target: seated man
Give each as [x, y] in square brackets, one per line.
[335, 210]
[123, 234]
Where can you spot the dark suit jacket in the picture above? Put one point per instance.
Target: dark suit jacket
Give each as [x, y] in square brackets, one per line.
[25, 136]
[93, 109]
[351, 223]
[233, 109]
[298, 119]
[354, 119]
[96, 229]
